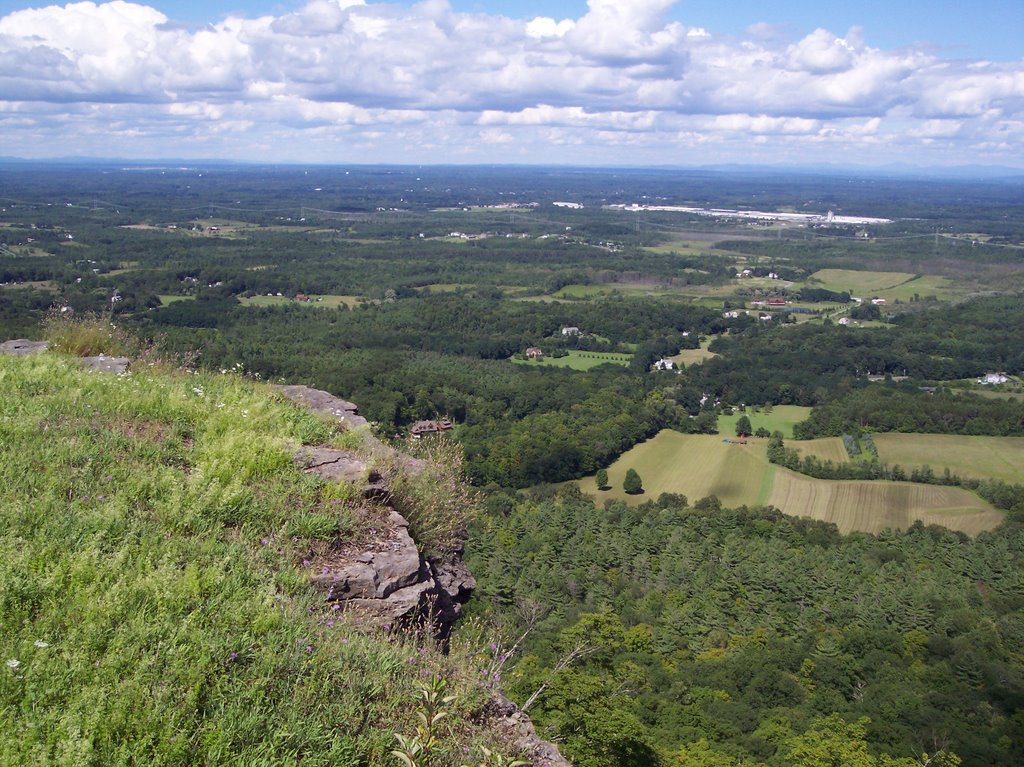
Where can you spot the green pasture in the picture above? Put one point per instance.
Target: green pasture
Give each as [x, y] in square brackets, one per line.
[328, 301]
[577, 360]
[167, 299]
[693, 356]
[859, 283]
[781, 418]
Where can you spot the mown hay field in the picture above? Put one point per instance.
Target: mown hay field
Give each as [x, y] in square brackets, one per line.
[825, 448]
[981, 457]
[871, 507]
[699, 465]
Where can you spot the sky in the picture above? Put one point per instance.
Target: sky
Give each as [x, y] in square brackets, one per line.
[600, 82]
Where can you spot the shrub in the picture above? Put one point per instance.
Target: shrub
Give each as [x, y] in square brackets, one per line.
[434, 496]
[85, 336]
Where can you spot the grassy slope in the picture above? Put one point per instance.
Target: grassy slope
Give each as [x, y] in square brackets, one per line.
[152, 533]
[699, 465]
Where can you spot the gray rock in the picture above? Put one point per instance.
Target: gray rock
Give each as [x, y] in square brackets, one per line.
[341, 466]
[21, 346]
[454, 578]
[402, 605]
[377, 573]
[324, 403]
[539, 752]
[105, 364]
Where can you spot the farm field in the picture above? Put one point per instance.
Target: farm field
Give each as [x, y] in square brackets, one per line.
[693, 356]
[825, 448]
[167, 299]
[968, 456]
[328, 302]
[698, 465]
[781, 419]
[871, 507]
[577, 360]
[858, 282]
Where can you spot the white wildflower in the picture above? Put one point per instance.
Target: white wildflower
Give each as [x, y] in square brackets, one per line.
[13, 663]
[41, 644]
[198, 391]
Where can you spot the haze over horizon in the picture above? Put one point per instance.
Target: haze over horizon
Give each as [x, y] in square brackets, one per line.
[626, 82]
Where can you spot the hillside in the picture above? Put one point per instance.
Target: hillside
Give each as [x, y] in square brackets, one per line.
[157, 597]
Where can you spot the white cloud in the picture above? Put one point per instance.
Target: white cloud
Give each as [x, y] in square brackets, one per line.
[348, 73]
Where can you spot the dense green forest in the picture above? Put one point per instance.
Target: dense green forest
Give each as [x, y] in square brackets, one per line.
[737, 629]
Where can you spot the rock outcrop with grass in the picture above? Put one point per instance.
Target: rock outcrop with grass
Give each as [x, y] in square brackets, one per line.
[193, 570]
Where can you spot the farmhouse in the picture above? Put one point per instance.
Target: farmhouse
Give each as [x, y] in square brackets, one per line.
[776, 302]
[301, 297]
[534, 353]
[994, 378]
[664, 364]
[570, 330]
[844, 321]
[429, 427]
[878, 301]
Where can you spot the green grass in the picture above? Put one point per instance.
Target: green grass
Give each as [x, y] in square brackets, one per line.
[167, 299]
[782, 418]
[327, 301]
[859, 283]
[577, 360]
[699, 465]
[694, 356]
[153, 596]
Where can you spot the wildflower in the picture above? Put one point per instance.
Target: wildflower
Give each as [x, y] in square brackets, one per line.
[264, 541]
[13, 663]
[233, 656]
[335, 607]
[493, 646]
[41, 644]
[309, 648]
[198, 391]
[305, 563]
[330, 623]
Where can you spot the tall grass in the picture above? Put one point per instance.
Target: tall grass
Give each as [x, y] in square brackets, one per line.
[154, 607]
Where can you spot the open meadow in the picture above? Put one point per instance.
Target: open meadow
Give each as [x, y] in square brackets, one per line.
[781, 418]
[969, 456]
[694, 356]
[698, 465]
[577, 360]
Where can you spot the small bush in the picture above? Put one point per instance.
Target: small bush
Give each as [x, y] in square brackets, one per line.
[436, 498]
[86, 336]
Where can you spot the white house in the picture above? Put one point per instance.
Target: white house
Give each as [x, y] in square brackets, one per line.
[664, 364]
[844, 321]
[994, 378]
[570, 330]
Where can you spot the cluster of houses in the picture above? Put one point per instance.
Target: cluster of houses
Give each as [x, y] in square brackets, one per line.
[422, 428]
